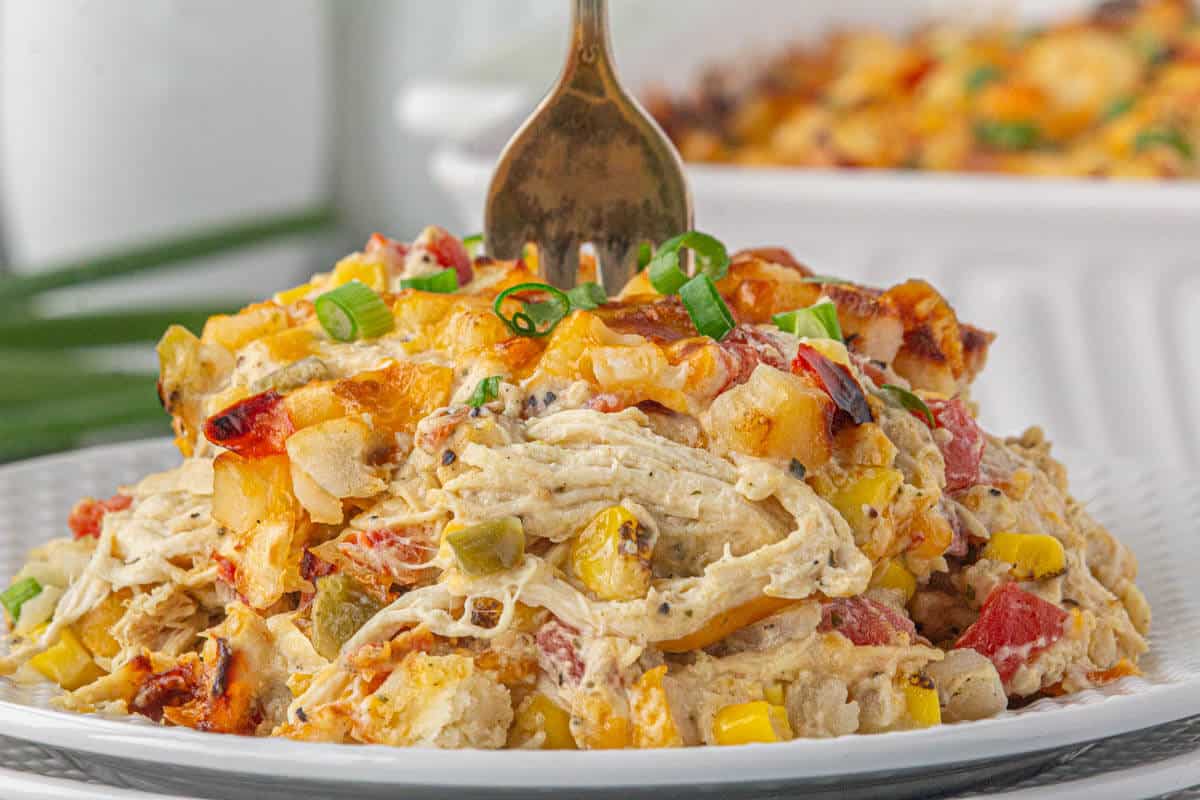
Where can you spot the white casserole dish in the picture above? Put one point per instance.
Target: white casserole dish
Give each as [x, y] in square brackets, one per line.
[1092, 284]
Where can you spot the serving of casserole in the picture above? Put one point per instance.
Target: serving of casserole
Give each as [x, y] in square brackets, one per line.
[426, 500]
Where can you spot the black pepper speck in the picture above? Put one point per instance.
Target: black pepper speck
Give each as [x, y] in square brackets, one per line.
[549, 398]
[448, 458]
[796, 469]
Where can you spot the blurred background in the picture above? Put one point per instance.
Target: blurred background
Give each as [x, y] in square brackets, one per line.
[163, 160]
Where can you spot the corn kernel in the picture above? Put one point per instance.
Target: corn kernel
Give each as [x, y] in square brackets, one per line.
[67, 663]
[921, 698]
[293, 295]
[1033, 555]
[872, 490]
[774, 693]
[372, 273]
[541, 715]
[891, 574]
[611, 556]
[746, 723]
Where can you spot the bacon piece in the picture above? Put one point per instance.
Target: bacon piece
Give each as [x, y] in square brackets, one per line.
[255, 427]
[661, 321]
[558, 652]
[837, 381]
[864, 621]
[963, 452]
[1013, 627]
[173, 687]
[87, 514]
[745, 348]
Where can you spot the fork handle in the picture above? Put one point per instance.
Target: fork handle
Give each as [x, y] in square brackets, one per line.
[589, 64]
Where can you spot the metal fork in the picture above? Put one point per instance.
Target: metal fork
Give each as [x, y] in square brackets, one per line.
[588, 166]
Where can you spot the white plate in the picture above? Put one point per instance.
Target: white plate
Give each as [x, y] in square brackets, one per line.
[1152, 510]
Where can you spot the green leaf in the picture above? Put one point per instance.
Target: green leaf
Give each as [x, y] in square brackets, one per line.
[587, 296]
[485, 392]
[982, 76]
[102, 328]
[1168, 137]
[164, 254]
[1011, 136]
[818, 321]
[910, 402]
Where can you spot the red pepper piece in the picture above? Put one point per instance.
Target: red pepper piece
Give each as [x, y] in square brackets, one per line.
[837, 380]
[253, 428]
[1013, 627]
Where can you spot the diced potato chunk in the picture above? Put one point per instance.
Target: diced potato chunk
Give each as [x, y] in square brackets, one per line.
[95, 627]
[293, 295]
[611, 555]
[540, 719]
[773, 415]
[314, 403]
[968, 686]
[747, 723]
[67, 662]
[1033, 555]
[247, 492]
[921, 697]
[354, 268]
[236, 331]
[335, 455]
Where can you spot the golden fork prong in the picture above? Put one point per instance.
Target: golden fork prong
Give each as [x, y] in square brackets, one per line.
[588, 166]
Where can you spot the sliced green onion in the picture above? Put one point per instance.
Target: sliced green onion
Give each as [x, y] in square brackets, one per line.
[17, 595]
[704, 305]
[645, 253]
[485, 392]
[665, 275]
[834, 279]
[819, 321]
[982, 76]
[1116, 109]
[442, 282]
[1170, 137]
[910, 402]
[1009, 135]
[665, 271]
[473, 244]
[587, 296]
[536, 319]
[353, 310]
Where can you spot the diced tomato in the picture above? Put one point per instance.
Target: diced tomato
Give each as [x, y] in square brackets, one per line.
[447, 250]
[837, 380]
[744, 349]
[864, 621]
[253, 428]
[86, 515]
[1013, 627]
[964, 451]
[558, 652]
